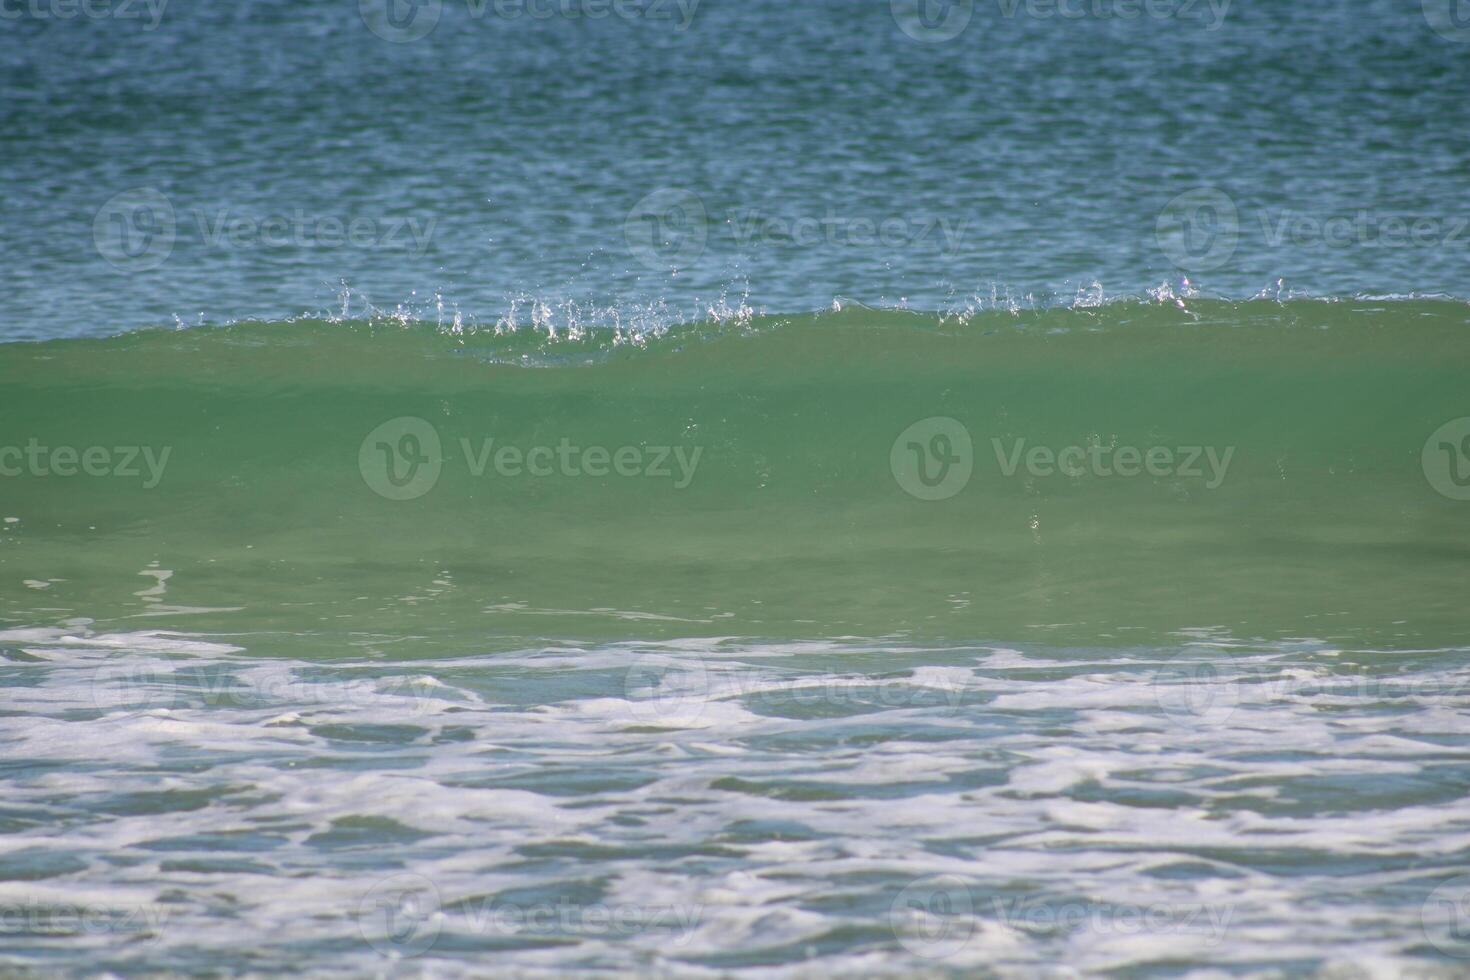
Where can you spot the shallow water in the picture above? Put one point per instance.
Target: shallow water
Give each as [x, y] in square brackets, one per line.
[368, 657]
[734, 489]
[704, 807]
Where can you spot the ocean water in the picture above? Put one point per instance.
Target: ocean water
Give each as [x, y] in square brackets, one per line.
[735, 489]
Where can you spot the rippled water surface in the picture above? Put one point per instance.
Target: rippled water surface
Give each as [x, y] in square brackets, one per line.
[734, 489]
[725, 806]
[796, 151]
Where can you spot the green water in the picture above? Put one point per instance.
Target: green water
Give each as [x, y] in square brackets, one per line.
[890, 642]
[1307, 512]
[477, 497]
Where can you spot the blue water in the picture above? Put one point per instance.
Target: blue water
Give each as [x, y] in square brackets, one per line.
[294, 681]
[1029, 157]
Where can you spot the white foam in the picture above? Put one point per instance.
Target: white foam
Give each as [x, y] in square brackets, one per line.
[771, 800]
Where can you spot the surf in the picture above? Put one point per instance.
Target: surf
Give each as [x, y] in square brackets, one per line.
[1161, 466]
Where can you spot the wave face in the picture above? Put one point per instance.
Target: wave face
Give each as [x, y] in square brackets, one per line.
[860, 643]
[1121, 471]
[533, 604]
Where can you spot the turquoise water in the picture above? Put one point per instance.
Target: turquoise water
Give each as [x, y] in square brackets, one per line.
[734, 490]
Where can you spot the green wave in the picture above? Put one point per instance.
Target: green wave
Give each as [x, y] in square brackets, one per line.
[758, 476]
